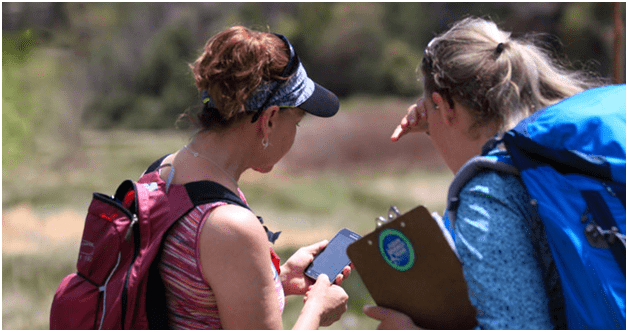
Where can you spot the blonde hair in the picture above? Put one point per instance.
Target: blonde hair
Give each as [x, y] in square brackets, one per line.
[500, 80]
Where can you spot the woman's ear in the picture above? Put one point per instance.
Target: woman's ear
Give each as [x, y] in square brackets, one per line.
[446, 111]
[268, 119]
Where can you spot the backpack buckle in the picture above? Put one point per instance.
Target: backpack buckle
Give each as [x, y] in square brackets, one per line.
[602, 238]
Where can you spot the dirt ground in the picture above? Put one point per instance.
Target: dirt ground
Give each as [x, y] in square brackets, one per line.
[23, 231]
[344, 142]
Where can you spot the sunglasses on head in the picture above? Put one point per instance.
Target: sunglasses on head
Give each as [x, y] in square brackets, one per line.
[293, 64]
[427, 64]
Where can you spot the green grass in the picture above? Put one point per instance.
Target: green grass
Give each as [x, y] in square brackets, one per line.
[327, 201]
[318, 204]
[62, 173]
[50, 164]
[353, 319]
[104, 159]
[28, 285]
[29, 282]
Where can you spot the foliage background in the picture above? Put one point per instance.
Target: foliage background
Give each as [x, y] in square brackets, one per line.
[124, 65]
[91, 92]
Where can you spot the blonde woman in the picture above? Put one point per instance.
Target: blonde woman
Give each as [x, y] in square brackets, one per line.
[479, 82]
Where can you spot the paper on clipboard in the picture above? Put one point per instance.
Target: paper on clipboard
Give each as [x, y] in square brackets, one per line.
[408, 265]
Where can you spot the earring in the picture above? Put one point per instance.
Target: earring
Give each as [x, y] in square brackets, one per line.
[265, 143]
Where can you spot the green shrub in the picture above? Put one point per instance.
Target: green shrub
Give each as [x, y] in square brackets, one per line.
[19, 118]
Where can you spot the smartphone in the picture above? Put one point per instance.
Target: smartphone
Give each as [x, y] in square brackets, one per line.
[333, 258]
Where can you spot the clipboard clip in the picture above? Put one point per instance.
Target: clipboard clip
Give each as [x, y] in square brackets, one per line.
[393, 213]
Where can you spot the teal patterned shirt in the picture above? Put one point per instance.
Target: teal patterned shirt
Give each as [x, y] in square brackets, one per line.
[499, 260]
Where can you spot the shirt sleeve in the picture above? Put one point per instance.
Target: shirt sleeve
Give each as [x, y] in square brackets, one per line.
[498, 258]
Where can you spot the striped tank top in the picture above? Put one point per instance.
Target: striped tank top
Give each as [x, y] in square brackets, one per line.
[190, 300]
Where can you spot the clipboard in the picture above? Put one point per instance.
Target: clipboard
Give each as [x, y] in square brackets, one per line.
[407, 265]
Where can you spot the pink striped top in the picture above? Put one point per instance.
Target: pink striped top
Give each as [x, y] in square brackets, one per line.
[190, 299]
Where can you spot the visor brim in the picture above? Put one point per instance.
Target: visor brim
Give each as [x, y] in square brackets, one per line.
[322, 102]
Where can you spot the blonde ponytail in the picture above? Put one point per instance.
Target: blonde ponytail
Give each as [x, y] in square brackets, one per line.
[501, 80]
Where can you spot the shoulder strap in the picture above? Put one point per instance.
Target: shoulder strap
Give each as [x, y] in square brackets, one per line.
[496, 160]
[154, 166]
[182, 198]
[203, 192]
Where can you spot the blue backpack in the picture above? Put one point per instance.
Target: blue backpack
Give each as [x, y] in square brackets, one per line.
[571, 157]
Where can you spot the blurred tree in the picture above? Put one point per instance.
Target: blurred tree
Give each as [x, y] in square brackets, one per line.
[151, 92]
[166, 75]
[397, 68]
[619, 44]
[19, 118]
[253, 13]
[587, 31]
[410, 22]
[349, 52]
[136, 54]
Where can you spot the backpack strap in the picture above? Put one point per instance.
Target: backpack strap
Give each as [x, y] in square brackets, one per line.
[493, 158]
[607, 230]
[182, 198]
[496, 159]
[155, 165]
[203, 192]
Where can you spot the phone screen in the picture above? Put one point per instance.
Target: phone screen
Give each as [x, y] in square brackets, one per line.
[334, 257]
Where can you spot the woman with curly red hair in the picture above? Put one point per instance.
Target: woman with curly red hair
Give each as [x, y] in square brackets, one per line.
[217, 264]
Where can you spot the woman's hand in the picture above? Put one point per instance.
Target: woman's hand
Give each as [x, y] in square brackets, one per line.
[328, 300]
[389, 319]
[292, 278]
[414, 121]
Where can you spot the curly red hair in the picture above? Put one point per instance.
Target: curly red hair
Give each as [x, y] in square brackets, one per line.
[234, 63]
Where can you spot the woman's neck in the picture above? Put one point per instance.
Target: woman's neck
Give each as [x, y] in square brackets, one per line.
[216, 157]
[468, 148]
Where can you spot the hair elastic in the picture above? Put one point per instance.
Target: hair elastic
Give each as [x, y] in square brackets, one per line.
[500, 48]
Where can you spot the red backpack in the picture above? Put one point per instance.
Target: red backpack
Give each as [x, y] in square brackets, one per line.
[117, 284]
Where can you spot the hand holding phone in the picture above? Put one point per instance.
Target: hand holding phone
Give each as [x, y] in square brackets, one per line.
[334, 257]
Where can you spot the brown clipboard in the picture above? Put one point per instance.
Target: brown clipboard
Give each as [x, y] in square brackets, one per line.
[423, 279]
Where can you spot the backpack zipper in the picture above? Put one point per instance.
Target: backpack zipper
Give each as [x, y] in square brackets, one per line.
[134, 227]
[134, 221]
[111, 200]
[103, 289]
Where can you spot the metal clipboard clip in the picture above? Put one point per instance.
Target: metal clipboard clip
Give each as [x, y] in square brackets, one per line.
[393, 213]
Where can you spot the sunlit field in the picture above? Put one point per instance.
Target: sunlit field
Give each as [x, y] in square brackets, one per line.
[71, 67]
[308, 198]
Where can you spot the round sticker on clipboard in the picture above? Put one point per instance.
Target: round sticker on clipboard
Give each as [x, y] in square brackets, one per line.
[396, 249]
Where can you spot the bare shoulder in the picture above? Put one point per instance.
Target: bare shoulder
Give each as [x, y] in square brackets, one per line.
[232, 240]
[233, 223]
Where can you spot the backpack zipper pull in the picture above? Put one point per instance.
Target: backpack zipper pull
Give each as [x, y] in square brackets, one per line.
[134, 221]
